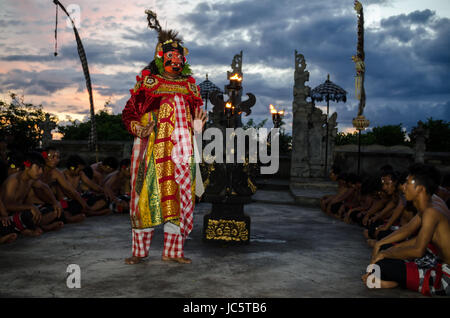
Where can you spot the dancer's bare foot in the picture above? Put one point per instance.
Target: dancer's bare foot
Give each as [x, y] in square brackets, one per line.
[27, 232]
[98, 213]
[133, 260]
[55, 226]
[181, 260]
[8, 238]
[75, 218]
[364, 278]
[383, 283]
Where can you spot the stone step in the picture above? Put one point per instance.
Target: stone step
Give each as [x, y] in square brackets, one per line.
[272, 184]
[309, 197]
[273, 197]
[316, 185]
[305, 196]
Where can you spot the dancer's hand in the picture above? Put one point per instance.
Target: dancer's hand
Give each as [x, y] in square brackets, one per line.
[36, 214]
[58, 208]
[376, 249]
[377, 258]
[199, 120]
[5, 220]
[365, 220]
[143, 131]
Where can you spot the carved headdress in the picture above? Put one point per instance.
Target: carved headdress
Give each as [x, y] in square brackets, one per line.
[168, 40]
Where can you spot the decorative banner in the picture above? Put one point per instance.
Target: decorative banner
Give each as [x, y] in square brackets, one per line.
[358, 59]
[84, 64]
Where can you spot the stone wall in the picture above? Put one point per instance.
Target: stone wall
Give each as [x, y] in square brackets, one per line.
[373, 157]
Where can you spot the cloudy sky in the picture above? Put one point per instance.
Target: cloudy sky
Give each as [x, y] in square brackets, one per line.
[406, 43]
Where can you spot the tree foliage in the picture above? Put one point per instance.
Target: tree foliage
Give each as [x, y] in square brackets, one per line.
[438, 135]
[109, 127]
[389, 135]
[20, 123]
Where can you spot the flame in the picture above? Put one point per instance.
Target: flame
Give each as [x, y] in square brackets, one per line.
[236, 77]
[228, 105]
[273, 110]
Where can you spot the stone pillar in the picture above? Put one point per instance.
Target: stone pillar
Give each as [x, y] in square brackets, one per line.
[421, 134]
[47, 126]
[301, 112]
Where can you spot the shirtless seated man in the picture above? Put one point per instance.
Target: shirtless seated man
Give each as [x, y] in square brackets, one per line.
[347, 193]
[421, 261]
[444, 189]
[14, 194]
[354, 200]
[75, 208]
[367, 196]
[96, 198]
[103, 168]
[341, 190]
[399, 216]
[118, 183]
[7, 229]
[334, 173]
[391, 186]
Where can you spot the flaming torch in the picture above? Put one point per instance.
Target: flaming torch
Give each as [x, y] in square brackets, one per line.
[276, 116]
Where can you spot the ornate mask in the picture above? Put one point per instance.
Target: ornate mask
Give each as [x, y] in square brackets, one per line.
[173, 62]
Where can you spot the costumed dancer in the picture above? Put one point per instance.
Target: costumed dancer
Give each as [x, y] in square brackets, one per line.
[162, 113]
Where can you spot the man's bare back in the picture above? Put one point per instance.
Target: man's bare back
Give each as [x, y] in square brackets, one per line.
[73, 180]
[441, 235]
[15, 189]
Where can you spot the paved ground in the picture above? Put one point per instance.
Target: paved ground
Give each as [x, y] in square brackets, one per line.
[295, 252]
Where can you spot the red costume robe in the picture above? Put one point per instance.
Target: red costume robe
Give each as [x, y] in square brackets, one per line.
[155, 194]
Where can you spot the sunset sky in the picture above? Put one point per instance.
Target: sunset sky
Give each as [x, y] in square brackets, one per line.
[406, 42]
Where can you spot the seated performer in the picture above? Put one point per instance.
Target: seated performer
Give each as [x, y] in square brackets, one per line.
[160, 113]
[444, 189]
[391, 187]
[118, 183]
[103, 168]
[401, 215]
[334, 173]
[368, 195]
[18, 223]
[16, 188]
[353, 200]
[7, 233]
[75, 207]
[97, 202]
[345, 196]
[420, 258]
[380, 204]
[15, 160]
[342, 189]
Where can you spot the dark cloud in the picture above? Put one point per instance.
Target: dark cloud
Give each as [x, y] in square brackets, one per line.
[407, 57]
[36, 83]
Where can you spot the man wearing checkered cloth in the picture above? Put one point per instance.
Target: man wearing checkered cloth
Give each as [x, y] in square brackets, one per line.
[420, 258]
[163, 113]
